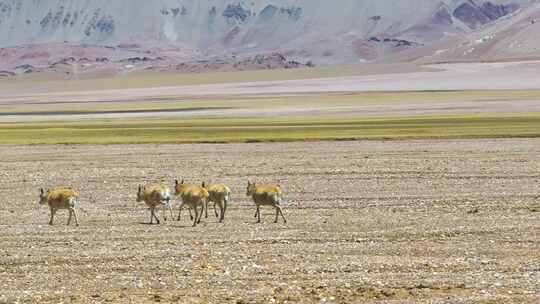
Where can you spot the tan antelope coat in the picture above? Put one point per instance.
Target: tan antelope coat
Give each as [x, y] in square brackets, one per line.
[61, 198]
[266, 195]
[155, 196]
[220, 195]
[192, 197]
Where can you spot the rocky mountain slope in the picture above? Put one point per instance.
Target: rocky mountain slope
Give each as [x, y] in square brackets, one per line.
[323, 32]
[512, 38]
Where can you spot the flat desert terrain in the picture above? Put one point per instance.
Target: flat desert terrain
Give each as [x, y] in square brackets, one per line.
[463, 100]
[260, 94]
[432, 221]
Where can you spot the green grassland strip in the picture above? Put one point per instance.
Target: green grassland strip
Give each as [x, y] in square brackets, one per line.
[268, 129]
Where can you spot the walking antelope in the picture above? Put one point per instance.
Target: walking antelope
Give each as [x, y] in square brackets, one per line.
[155, 195]
[265, 195]
[220, 195]
[60, 198]
[193, 197]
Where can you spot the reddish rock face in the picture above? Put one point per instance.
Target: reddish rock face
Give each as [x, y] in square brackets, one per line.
[35, 55]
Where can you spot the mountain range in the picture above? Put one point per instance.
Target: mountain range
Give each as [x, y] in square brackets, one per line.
[37, 34]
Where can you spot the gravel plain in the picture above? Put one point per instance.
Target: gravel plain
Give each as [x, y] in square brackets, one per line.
[453, 221]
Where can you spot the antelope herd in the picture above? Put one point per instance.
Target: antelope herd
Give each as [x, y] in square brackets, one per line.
[158, 196]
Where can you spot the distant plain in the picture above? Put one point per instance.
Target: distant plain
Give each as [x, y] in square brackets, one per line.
[322, 104]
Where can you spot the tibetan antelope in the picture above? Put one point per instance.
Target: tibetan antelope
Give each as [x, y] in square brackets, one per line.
[60, 198]
[265, 195]
[155, 195]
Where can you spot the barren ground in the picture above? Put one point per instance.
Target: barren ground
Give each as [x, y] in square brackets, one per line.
[405, 221]
[494, 88]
